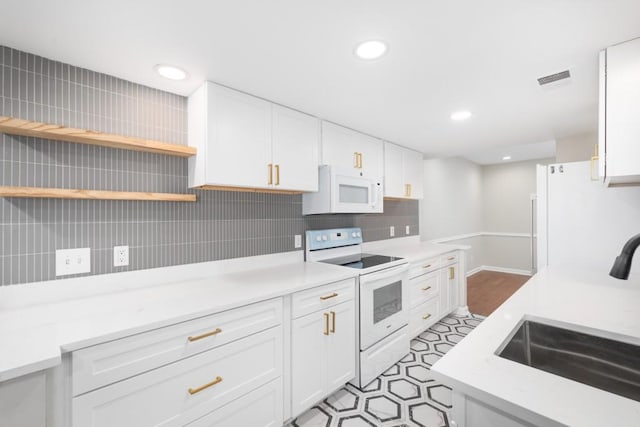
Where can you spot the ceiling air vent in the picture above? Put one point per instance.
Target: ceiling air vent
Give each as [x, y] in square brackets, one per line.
[554, 77]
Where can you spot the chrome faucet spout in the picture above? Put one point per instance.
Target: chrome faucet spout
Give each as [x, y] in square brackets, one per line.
[622, 265]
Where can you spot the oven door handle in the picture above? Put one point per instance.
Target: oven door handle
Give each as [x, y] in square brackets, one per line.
[384, 274]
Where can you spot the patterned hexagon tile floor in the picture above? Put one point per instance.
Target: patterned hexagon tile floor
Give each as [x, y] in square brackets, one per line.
[404, 395]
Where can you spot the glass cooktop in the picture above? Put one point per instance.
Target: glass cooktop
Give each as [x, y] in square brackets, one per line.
[362, 261]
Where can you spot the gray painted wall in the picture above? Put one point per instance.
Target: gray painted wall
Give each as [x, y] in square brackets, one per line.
[220, 225]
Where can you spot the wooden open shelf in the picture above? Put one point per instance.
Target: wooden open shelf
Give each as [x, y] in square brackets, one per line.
[61, 133]
[62, 193]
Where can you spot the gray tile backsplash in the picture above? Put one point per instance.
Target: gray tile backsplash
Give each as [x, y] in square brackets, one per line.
[219, 225]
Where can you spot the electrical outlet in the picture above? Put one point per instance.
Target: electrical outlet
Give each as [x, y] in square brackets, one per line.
[297, 241]
[392, 231]
[120, 256]
[73, 261]
[407, 230]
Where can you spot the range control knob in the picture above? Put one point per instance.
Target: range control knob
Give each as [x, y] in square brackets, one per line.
[324, 237]
[318, 238]
[354, 234]
[359, 234]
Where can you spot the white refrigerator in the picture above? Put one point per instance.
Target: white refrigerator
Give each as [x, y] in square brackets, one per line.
[579, 221]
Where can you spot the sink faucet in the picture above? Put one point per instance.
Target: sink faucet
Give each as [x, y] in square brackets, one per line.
[622, 265]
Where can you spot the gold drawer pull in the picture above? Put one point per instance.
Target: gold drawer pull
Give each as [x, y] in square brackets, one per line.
[427, 288]
[216, 331]
[426, 266]
[329, 296]
[205, 386]
[451, 258]
[426, 317]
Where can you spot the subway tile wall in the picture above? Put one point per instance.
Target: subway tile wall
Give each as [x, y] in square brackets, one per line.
[219, 225]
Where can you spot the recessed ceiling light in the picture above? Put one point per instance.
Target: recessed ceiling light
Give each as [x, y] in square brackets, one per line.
[461, 115]
[373, 49]
[171, 72]
[506, 158]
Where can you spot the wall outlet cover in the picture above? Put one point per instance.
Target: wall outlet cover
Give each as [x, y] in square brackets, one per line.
[73, 261]
[297, 241]
[407, 230]
[120, 256]
[392, 231]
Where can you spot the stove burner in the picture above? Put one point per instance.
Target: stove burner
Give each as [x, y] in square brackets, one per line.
[362, 261]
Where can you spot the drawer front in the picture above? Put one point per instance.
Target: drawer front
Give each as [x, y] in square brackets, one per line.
[423, 316]
[424, 266]
[424, 287]
[450, 258]
[314, 299]
[260, 408]
[104, 364]
[177, 394]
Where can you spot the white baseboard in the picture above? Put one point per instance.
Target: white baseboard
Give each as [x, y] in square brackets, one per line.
[499, 270]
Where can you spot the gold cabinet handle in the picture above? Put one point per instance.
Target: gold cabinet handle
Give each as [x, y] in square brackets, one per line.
[356, 162]
[333, 322]
[325, 297]
[593, 160]
[360, 162]
[277, 174]
[410, 189]
[426, 266]
[216, 331]
[452, 273]
[451, 258]
[205, 386]
[326, 323]
[270, 173]
[426, 317]
[427, 288]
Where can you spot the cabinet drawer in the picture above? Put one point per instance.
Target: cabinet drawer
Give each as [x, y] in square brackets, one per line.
[104, 364]
[424, 287]
[450, 258]
[184, 391]
[423, 316]
[260, 408]
[322, 297]
[424, 266]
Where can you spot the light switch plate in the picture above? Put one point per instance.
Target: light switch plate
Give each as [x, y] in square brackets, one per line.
[73, 261]
[120, 256]
[297, 241]
[392, 231]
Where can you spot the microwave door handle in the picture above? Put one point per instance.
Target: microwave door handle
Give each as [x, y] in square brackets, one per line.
[374, 193]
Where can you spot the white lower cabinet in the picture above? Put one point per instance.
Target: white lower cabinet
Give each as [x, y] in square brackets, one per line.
[23, 401]
[323, 352]
[259, 408]
[423, 316]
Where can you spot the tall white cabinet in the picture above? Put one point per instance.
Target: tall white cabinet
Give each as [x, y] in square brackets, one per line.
[619, 133]
[403, 172]
[245, 142]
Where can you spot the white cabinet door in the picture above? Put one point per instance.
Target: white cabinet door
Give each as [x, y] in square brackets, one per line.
[413, 173]
[454, 286]
[350, 150]
[308, 360]
[295, 146]
[23, 401]
[622, 111]
[394, 185]
[341, 345]
[449, 289]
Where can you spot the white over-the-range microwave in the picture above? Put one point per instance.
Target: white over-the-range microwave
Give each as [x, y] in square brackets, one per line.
[343, 191]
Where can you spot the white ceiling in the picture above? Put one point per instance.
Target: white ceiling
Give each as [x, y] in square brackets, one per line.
[443, 56]
[518, 153]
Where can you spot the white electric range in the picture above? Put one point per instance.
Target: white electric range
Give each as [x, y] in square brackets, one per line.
[382, 295]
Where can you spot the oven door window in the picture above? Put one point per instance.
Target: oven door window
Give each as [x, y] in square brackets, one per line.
[387, 301]
[353, 194]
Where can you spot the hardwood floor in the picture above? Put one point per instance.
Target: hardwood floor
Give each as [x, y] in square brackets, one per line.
[487, 290]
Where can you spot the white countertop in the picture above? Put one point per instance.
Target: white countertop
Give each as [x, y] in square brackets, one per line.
[578, 296]
[34, 335]
[410, 248]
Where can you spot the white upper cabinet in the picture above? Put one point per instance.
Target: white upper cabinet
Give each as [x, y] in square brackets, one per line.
[619, 145]
[351, 150]
[247, 142]
[403, 172]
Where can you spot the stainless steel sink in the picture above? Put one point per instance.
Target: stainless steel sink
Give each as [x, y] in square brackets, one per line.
[603, 363]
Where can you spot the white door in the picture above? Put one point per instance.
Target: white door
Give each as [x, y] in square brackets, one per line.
[295, 146]
[341, 349]
[414, 173]
[239, 139]
[394, 185]
[371, 155]
[309, 336]
[338, 147]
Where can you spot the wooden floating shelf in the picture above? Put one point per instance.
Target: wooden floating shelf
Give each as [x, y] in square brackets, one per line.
[21, 127]
[62, 193]
[246, 189]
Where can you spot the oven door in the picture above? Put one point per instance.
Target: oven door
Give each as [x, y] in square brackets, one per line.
[355, 194]
[384, 304]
